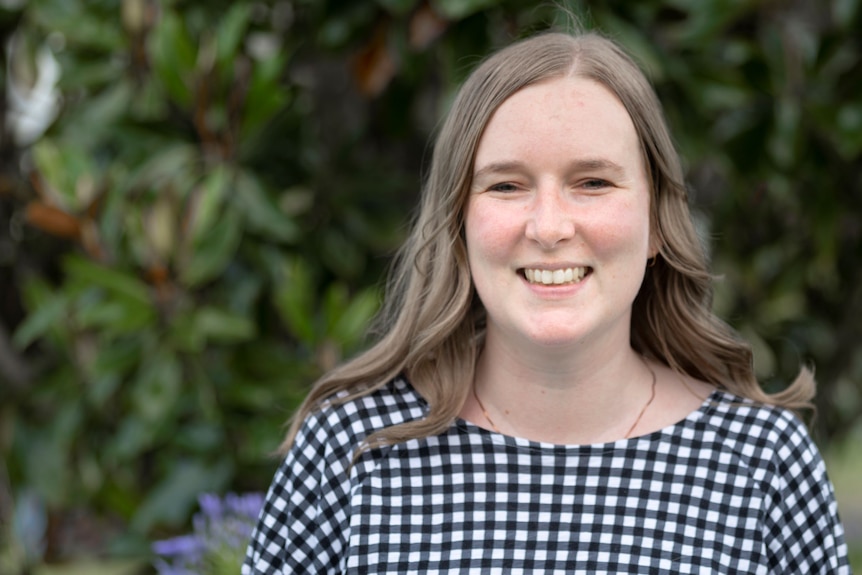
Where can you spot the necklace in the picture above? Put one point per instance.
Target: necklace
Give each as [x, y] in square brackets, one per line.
[649, 401]
[485, 411]
[626, 436]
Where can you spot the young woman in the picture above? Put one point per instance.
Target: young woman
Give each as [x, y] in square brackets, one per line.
[551, 392]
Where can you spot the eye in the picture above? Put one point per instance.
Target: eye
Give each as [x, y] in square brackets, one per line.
[503, 187]
[595, 184]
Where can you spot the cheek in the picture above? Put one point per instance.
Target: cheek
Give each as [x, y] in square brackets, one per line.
[619, 228]
[489, 233]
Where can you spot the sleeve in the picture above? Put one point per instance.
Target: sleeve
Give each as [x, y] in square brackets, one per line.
[804, 532]
[301, 528]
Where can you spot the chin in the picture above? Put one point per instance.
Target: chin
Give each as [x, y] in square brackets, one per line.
[555, 338]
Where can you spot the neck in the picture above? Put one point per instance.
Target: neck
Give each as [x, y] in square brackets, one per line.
[571, 396]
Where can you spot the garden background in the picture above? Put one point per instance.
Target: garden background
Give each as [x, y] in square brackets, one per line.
[198, 200]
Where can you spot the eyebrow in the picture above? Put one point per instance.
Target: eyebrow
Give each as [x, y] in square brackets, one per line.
[586, 164]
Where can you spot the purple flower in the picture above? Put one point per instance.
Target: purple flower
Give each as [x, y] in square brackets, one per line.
[186, 545]
[221, 532]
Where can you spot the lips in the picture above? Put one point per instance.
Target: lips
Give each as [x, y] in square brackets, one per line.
[559, 276]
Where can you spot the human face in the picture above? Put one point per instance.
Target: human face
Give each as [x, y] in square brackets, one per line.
[557, 223]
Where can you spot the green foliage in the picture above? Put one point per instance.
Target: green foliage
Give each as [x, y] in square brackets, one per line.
[170, 343]
[757, 102]
[229, 178]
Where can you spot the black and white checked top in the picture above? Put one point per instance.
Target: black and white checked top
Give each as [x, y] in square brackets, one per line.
[730, 489]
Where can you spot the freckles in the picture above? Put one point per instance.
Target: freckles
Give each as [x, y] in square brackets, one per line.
[620, 222]
[611, 228]
[489, 229]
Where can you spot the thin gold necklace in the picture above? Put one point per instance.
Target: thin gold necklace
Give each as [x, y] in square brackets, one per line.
[626, 436]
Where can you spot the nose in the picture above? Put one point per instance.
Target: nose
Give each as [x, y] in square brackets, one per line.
[550, 221]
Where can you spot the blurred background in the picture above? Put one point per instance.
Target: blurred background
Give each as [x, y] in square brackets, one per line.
[198, 201]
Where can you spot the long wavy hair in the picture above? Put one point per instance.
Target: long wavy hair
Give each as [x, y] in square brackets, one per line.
[431, 326]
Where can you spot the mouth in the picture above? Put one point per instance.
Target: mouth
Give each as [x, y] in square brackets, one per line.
[560, 276]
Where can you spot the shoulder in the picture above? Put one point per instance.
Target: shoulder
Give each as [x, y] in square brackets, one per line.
[343, 421]
[800, 513]
[753, 427]
[744, 421]
[772, 441]
[304, 523]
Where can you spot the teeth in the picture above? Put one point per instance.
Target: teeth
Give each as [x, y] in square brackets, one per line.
[555, 277]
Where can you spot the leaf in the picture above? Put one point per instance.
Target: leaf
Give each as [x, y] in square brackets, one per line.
[116, 359]
[175, 496]
[223, 326]
[52, 220]
[848, 135]
[764, 357]
[296, 200]
[784, 137]
[157, 387]
[207, 200]
[116, 282]
[49, 446]
[844, 11]
[173, 162]
[294, 300]
[266, 97]
[460, 9]
[133, 437]
[341, 254]
[243, 296]
[374, 65]
[78, 24]
[62, 166]
[212, 253]
[231, 31]
[99, 116]
[117, 316]
[160, 224]
[782, 307]
[335, 300]
[51, 311]
[353, 321]
[183, 333]
[262, 214]
[173, 56]
[149, 103]
[202, 437]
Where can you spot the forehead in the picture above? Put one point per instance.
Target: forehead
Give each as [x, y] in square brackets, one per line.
[567, 117]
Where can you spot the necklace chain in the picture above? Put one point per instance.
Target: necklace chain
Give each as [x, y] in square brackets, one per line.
[485, 411]
[626, 436]
[648, 403]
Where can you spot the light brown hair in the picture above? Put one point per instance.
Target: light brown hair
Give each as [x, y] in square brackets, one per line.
[431, 325]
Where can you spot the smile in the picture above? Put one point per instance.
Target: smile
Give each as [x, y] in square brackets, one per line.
[555, 277]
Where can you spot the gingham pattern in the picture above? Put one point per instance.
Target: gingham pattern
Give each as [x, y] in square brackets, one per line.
[733, 488]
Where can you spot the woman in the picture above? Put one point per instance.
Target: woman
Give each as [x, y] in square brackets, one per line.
[551, 392]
